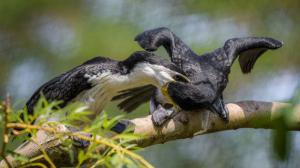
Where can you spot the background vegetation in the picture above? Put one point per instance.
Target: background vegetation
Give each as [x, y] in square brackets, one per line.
[40, 39]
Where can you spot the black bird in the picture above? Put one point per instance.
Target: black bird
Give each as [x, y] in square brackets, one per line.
[208, 72]
[97, 80]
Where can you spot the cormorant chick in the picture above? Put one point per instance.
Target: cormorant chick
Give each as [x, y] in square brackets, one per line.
[97, 80]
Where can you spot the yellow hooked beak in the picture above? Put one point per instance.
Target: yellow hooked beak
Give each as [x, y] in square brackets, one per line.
[164, 88]
[164, 91]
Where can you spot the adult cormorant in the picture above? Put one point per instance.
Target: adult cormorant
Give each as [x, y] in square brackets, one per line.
[208, 73]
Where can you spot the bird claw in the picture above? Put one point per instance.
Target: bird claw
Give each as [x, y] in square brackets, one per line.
[159, 117]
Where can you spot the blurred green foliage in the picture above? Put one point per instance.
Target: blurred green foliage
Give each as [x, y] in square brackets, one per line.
[282, 138]
[40, 39]
[117, 151]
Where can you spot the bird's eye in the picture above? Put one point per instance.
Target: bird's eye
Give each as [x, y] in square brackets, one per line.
[180, 78]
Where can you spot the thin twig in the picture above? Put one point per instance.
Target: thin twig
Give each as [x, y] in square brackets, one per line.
[34, 165]
[46, 156]
[103, 159]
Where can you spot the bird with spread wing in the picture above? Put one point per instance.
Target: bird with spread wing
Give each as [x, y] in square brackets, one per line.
[208, 73]
[96, 81]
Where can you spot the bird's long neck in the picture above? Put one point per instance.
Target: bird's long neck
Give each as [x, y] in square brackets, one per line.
[138, 76]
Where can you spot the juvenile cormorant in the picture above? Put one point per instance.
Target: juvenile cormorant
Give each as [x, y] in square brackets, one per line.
[97, 80]
[208, 73]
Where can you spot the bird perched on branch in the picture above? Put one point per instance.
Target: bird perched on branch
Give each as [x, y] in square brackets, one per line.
[208, 73]
[97, 80]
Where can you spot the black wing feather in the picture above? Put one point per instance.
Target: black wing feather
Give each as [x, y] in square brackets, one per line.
[248, 58]
[64, 87]
[249, 49]
[133, 98]
[67, 86]
[178, 51]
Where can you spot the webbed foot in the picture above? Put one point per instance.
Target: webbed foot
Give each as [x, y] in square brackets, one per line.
[161, 115]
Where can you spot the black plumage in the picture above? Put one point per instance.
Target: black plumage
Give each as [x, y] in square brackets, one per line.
[208, 72]
[68, 85]
[84, 80]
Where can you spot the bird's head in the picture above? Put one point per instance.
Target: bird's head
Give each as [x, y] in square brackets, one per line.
[147, 68]
[155, 70]
[163, 75]
[165, 78]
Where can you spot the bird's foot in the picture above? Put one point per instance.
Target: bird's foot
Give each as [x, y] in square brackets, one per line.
[160, 116]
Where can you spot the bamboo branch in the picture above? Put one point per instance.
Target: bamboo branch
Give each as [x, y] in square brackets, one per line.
[246, 114]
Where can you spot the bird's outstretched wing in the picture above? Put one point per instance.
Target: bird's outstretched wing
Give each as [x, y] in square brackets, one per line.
[64, 88]
[133, 98]
[249, 49]
[178, 51]
[67, 86]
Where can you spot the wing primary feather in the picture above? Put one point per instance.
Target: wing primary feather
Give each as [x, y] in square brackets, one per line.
[249, 49]
[135, 98]
[248, 59]
[131, 92]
